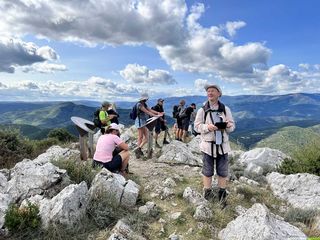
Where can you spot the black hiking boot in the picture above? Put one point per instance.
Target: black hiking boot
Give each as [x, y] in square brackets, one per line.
[208, 194]
[165, 141]
[138, 152]
[222, 195]
[157, 145]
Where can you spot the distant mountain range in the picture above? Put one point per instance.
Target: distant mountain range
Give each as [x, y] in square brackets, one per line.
[257, 116]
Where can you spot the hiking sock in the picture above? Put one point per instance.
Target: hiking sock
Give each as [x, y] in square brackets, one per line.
[207, 193]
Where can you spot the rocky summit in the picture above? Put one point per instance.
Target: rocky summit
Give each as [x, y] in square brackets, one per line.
[162, 196]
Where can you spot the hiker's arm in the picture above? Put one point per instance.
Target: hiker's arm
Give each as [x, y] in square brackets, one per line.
[124, 146]
[199, 124]
[145, 110]
[155, 112]
[111, 116]
[230, 122]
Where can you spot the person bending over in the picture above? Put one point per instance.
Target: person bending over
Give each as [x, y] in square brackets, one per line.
[106, 145]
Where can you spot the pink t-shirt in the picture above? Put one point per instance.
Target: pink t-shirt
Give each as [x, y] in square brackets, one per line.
[105, 146]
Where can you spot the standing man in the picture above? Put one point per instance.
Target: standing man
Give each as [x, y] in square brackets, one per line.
[185, 119]
[180, 110]
[214, 122]
[161, 123]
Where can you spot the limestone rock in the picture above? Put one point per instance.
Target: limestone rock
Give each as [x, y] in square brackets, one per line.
[193, 197]
[266, 158]
[123, 231]
[33, 200]
[149, 209]
[301, 190]
[5, 200]
[193, 145]
[55, 153]
[67, 208]
[178, 153]
[3, 182]
[202, 213]
[29, 178]
[130, 194]
[115, 187]
[169, 182]
[258, 223]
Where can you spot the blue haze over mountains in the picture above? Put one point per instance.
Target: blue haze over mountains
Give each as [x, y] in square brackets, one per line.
[257, 116]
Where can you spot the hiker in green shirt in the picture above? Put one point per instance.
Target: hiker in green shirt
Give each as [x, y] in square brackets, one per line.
[104, 117]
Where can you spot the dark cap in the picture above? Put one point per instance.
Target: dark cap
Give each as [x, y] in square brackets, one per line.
[160, 100]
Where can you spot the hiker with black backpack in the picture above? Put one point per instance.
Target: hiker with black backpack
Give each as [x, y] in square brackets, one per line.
[161, 123]
[185, 116]
[214, 122]
[141, 113]
[101, 117]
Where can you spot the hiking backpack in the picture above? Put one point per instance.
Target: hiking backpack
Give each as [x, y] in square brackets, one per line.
[96, 118]
[134, 112]
[175, 111]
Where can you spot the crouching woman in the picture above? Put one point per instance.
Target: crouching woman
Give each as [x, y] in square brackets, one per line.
[106, 145]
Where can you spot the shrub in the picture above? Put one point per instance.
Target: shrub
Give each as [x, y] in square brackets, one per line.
[304, 160]
[300, 215]
[62, 135]
[22, 219]
[78, 171]
[13, 148]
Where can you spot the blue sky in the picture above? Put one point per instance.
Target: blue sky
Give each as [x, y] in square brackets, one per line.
[116, 50]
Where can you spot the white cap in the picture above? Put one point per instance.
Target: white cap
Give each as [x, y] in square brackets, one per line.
[144, 96]
[114, 126]
[213, 86]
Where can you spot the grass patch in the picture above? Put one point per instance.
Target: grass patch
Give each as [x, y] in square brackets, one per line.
[78, 171]
[299, 215]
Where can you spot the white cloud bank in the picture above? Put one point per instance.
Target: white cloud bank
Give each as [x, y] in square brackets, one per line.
[135, 73]
[168, 25]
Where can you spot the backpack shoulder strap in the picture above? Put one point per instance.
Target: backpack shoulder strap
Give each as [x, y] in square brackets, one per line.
[222, 107]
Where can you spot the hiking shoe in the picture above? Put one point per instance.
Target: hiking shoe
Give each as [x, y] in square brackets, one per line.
[165, 141]
[222, 195]
[207, 193]
[138, 152]
[157, 145]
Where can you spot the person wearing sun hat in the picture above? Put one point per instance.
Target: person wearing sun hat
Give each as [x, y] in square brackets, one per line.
[214, 122]
[143, 114]
[106, 145]
[104, 117]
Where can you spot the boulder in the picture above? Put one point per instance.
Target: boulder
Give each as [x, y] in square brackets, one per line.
[3, 182]
[149, 209]
[55, 153]
[266, 158]
[258, 223]
[179, 153]
[193, 145]
[67, 208]
[194, 197]
[115, 187]
[5, 201]
[109, 184]
[29, 178]
[130, 194]
[203, 213]
[301, 190]
[123, 231]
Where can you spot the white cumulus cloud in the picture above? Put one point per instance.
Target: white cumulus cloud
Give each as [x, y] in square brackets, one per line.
[16, 53]
[136, 73]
